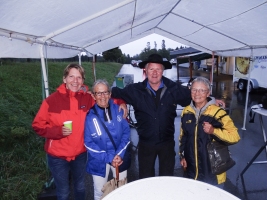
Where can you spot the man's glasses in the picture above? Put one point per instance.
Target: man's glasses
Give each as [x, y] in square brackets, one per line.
[201, 91]
[99, 94]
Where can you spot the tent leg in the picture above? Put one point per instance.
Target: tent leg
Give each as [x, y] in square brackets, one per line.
[80, 62]
[254, 158]
[94, 60]
[44, 74]
[248, 85]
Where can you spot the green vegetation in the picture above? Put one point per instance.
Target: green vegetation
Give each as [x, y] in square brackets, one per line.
[23, 170]
[116, 54]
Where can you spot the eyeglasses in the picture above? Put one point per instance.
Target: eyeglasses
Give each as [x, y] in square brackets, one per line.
[201, 91]
[99, 94]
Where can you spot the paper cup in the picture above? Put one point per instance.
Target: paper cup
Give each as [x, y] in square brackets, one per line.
[68, 124]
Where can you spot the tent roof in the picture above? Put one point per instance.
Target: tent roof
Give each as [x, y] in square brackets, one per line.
[228, 28]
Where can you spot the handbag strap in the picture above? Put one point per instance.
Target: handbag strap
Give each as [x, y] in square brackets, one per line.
[216, 114]
[213, 119]
[106, 129]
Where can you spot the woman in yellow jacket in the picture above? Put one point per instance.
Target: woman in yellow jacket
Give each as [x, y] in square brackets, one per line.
[200, 121]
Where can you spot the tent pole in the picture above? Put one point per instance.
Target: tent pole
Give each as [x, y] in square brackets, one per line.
[87, 19]
[93, 66]
[44, 74]
[248, 85]
[79, 55]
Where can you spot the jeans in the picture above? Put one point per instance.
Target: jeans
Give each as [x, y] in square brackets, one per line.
[99, 181]
[61, 169]
[147, 155]
[221, 186]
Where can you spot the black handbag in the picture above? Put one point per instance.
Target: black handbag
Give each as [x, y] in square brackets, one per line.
[219, 156]
[127, 155]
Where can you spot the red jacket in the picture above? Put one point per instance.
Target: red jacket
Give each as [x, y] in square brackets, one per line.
[63, 105]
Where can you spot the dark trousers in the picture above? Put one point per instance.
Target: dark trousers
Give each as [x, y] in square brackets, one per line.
[147, 155]
[60, 169]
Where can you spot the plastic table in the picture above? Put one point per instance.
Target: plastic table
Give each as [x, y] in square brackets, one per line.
[262, 112]
[168, 187]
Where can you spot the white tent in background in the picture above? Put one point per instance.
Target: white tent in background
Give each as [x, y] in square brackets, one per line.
[61, 29]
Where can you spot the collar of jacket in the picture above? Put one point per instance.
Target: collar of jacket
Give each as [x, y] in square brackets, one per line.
[211, 100]
[167, 82]
[101, 110]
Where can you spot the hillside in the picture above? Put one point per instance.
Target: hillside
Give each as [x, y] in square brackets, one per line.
[23, 168]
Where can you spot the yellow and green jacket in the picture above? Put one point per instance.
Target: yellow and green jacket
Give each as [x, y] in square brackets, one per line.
[193, 140]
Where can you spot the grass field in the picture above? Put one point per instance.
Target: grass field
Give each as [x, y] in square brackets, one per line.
[23, 170]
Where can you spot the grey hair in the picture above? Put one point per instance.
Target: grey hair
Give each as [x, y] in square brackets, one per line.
[203, 80]
[100, 81]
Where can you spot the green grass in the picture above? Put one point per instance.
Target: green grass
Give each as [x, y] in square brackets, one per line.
[23, 170]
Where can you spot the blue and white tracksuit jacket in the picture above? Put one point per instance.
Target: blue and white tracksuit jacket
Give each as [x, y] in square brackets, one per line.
[99, 147]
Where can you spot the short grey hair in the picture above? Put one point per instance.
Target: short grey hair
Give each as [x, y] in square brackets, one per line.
[203, 80]
[100, 81]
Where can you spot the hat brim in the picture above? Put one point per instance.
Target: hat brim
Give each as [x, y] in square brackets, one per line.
[166, 64]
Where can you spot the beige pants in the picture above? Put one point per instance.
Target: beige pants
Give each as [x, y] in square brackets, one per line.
[100, 181]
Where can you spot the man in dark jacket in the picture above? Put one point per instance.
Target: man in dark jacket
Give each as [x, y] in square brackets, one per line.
[155, 101]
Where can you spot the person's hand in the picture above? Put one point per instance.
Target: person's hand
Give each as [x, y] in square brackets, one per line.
[117, 159]
[208, 128]
[66, 131]
[220, 103]
[183, 163]
[92, 94]
[125, 110]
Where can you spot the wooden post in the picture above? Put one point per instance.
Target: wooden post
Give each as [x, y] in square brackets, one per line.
[211, 72]
[177, 67]
[190, 68]
[217, 66]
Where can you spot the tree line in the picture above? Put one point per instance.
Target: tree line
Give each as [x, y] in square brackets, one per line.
[116, 55]
[112, 55]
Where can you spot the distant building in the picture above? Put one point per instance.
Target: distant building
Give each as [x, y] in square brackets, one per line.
[181, 52]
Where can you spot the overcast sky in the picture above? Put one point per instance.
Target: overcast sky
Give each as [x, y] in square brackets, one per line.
[137, 46]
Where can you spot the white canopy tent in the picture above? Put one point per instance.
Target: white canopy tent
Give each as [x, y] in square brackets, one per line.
[66, 28]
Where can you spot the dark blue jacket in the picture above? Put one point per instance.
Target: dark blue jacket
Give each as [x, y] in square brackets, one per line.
[154, 125]
[100, 148]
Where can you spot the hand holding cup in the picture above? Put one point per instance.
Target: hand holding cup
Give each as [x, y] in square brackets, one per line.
[67, 128]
